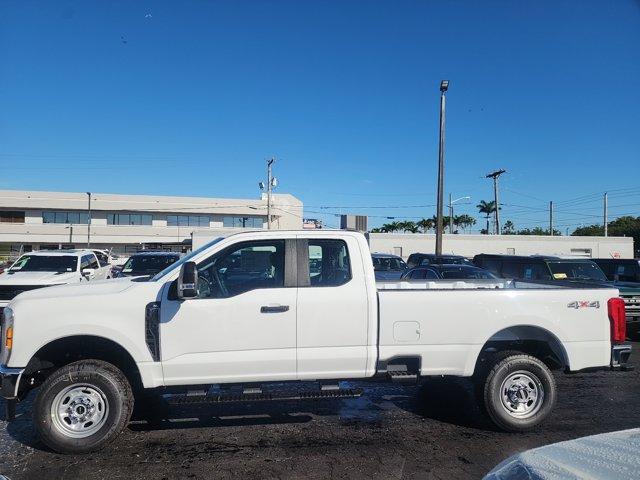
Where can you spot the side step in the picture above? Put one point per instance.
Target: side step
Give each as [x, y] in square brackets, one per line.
[403, 376]
[187, 399]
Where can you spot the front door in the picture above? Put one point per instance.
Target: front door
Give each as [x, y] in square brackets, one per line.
[242, 325]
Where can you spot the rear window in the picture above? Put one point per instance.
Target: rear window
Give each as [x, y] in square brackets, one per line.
[386, 264]
[466, 273]
[148, 264]
[577, 271]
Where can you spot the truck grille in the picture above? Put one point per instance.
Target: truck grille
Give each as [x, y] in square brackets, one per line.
[8, 292]
[632, 305]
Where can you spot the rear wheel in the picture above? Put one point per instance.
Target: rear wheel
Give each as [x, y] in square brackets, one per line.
[519, 392]
[82, 406]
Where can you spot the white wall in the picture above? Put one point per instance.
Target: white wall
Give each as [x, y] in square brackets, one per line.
[469, 245]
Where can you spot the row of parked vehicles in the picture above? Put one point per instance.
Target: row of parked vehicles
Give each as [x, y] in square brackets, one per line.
[623, 274]
[276, 315]
[47, 268]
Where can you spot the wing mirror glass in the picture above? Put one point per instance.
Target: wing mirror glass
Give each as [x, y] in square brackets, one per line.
[188, 281]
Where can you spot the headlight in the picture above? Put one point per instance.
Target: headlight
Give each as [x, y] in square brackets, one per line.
[7, 335]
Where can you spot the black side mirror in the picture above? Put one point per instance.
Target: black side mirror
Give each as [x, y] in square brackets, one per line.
[188, 281]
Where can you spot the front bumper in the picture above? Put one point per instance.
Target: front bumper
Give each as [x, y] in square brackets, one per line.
[620, 357]
[9, 382]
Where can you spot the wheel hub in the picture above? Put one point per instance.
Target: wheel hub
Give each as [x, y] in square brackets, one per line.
[522, 394]
[79, 411]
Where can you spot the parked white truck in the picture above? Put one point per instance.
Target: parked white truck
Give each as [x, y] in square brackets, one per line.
[252, 309]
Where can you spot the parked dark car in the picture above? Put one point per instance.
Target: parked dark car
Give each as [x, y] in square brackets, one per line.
[387, 267]
[572, 270]
[421, 259]
[620, 269]
[451, 272]
[147, 263]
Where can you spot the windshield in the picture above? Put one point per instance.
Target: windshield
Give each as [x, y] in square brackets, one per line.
[577, 271]
[148, 263]
[462, 273]
[41, 263]
[385, 264]
[186, 258]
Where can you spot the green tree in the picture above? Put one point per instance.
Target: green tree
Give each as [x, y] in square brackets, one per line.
[508, 228]
[408, 226]
[486, 208]
[538, 231]
[425, 224]
[464, 221]
[627, 226]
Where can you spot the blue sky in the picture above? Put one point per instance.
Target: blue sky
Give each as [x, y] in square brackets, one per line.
[190, 97]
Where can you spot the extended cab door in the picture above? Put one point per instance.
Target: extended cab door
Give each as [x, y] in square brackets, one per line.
[242, 325]
[332, 309]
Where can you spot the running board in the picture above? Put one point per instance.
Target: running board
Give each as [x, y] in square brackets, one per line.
[187, 399]
[402, 376]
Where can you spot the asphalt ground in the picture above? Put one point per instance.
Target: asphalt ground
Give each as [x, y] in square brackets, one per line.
[392, 431]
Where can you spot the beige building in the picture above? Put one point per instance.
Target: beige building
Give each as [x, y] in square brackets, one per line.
[31, 220]
[404, 244]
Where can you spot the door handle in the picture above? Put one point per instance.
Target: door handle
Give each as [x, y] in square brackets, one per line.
[274, 309]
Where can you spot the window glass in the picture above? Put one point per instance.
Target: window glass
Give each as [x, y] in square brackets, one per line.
[512, 269]
[577, 271]
[129, 219]
[93, 262]
[431, 275]
[11, 217]
[42, 263]
[249, 266]
[491, 264]
[535, 271]
[328, 263]
[103, 259]
[48, 217]
[242, 222]
[463, 273]
[85, 262]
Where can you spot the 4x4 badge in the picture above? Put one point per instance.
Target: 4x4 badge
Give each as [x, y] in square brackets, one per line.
[584, 304]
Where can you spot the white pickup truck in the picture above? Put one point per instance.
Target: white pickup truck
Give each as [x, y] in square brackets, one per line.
[252, 308]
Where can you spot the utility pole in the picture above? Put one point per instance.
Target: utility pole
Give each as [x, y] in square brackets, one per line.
[89, 222]
[269, 187]
[495, 175]
[444, 86]
[551, 218]
[606, 222]
[450, 215]
[70, 234]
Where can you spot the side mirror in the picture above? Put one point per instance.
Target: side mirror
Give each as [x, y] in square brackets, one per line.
[188, 281]
[88, 273]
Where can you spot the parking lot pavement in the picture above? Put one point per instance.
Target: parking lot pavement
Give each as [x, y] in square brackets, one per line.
[390, 432]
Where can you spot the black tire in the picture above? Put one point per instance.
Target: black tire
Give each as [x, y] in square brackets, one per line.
[527, 375]
[106, 383]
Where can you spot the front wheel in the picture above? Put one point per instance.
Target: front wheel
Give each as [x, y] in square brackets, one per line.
[519, 393]
[82, 406]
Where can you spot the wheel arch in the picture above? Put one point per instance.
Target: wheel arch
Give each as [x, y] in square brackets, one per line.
[529, 339]
[65, 350]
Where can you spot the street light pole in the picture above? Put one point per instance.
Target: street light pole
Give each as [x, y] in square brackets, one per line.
[269, 186]
[451, 202]
[606, 206]
[89, 222]
[495, 175]
[444, 86]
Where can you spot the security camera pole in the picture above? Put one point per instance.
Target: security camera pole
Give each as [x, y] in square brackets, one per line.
[495, 175]
[444, 86]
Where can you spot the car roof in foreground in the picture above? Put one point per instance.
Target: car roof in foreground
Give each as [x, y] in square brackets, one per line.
[59, 253]
[164, 254]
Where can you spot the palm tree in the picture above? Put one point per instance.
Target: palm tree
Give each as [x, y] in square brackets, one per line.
[508, 228]
[425, 224]
[487, 208]
[391, 227]
[408, 226]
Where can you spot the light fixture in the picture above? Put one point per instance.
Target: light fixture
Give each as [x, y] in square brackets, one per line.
[444, 85]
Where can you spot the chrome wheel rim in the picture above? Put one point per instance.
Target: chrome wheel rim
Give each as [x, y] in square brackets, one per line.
[522, 394]
[79, 410]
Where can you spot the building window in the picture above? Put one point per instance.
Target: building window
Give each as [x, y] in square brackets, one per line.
[129, 219]
[188, 221]
[11, 217]
[242, 222]
[65, 217]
